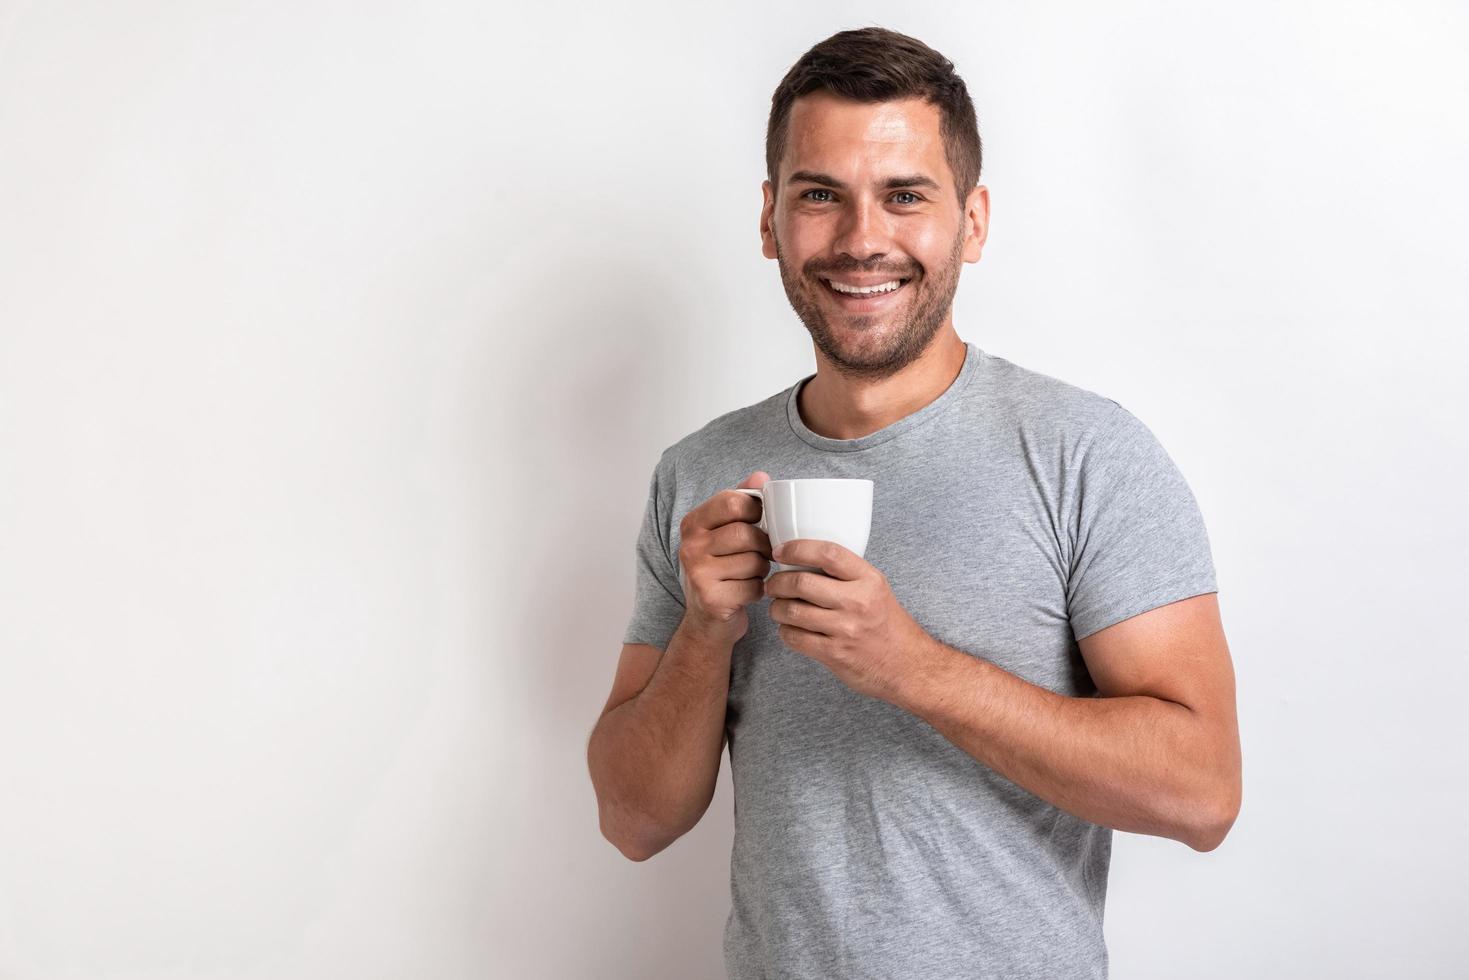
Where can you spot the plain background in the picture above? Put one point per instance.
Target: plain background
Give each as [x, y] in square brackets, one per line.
[338, 342]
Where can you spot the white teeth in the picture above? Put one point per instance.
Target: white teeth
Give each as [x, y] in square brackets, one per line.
[886, 287]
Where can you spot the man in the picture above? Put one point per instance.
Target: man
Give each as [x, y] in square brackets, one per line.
[930, 745]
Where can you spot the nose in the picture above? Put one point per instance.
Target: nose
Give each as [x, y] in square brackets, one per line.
[864, 232]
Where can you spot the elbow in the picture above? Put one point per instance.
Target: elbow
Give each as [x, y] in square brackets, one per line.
[636, 818]
[1208, 838]
[638, 856]
[624, 827]
[633, 845]
[637, 835]
[1220, 818]
[629, 849]
[635, 853]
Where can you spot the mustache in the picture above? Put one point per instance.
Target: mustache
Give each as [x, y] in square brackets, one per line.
[820, 271]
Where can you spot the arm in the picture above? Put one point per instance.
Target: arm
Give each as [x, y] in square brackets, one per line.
[654, 754]
[1156, 753]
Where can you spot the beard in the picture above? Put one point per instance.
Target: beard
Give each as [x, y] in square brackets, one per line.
[872, 346]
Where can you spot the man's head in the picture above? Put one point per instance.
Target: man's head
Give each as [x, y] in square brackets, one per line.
[873, 158]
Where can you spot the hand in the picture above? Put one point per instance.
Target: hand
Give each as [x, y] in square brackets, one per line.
[848, 619]
[723, 557]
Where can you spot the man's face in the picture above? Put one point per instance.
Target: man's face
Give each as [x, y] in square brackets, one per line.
[838, 216]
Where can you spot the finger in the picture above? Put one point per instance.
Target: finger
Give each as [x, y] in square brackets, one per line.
[830, 557]
[756, 480]
[812, 587]
[742, 565]
[803, 615]
[737, 536]
[803, 641]
[723, 508]
[731, 596]
[748, 591]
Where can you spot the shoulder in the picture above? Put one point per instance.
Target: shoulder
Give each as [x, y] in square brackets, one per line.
[1081, 430]
[721, 439]
[1044, 407]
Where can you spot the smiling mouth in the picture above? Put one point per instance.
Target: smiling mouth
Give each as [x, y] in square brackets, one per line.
[877, 296]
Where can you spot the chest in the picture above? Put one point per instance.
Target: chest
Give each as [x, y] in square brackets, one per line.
[983, 573]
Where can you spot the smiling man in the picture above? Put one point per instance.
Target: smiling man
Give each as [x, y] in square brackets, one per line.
[931, 745]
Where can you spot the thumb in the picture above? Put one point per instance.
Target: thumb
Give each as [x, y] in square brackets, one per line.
[756, 480]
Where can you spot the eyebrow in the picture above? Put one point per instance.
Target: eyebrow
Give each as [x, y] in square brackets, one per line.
[892, 183]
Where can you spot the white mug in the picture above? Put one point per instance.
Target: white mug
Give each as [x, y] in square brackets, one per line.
[837, 510]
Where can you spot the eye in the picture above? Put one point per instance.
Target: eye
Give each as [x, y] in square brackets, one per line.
[819, 190]
[915, 197]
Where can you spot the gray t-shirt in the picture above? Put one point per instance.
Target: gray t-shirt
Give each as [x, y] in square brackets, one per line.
[1012, 516]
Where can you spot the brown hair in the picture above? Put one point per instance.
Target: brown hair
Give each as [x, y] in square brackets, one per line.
[874, 64]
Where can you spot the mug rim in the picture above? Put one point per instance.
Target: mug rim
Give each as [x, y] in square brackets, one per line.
[819, 479]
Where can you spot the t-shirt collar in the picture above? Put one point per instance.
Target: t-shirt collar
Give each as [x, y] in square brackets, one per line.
[905, 424]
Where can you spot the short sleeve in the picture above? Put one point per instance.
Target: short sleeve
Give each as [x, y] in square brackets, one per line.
[658, 603]
[1140, 540]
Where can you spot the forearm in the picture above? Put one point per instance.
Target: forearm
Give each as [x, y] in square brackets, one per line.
[1137, 764]
[654, 759]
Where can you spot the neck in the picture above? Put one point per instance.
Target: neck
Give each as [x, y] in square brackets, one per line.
[838, 406]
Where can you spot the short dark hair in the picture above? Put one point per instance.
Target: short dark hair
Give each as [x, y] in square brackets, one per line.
[873, 64]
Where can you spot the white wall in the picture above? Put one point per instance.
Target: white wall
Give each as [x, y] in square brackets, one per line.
[337, 343]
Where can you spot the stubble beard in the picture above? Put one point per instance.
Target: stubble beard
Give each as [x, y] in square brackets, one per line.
[863, 346]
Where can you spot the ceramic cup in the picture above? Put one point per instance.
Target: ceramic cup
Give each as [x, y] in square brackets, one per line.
[826, 509]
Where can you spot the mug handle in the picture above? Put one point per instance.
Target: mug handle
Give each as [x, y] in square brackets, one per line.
[760, 496]
[775, 566]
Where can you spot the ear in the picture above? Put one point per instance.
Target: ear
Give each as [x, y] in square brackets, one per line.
[976, 222]
[767, 213]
